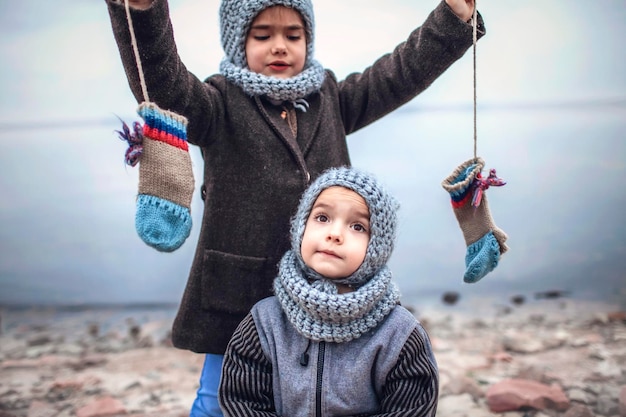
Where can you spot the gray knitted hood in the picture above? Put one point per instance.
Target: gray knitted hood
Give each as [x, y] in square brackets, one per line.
[383, 209]
[310, 301]
[236, 16]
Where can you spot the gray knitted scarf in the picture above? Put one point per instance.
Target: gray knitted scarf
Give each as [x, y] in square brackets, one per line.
[236, 16]
[311, 301]
[290, 89]
[318, 312]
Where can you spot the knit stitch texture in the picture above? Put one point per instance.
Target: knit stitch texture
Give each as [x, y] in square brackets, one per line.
[235, 19]
[383, 209]
[310, 301]
[166, 181]
[485, 241]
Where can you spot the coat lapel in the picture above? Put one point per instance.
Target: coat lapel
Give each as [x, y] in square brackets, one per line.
[282, 131]
[309, 122]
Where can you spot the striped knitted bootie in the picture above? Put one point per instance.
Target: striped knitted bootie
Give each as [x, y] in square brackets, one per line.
[166, 182]
[485, 241]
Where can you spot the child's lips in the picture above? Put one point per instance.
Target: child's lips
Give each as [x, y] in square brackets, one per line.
[278, 65]
[329, 253]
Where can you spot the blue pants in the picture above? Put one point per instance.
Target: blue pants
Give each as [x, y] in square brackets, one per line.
[206, 404]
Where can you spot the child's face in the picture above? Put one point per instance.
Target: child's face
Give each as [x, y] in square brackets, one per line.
[337, 233]
[276, 43]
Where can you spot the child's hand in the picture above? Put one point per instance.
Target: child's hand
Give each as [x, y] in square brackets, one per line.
[137, 4]
[464, 9]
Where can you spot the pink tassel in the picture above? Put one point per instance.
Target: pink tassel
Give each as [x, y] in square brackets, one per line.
[482, 184]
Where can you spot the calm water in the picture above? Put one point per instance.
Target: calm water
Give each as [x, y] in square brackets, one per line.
[562, 206]
[66, 217]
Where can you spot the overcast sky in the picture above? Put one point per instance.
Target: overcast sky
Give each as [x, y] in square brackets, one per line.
[551, 94]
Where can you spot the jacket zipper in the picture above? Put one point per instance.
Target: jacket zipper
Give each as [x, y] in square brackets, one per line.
[318, 386]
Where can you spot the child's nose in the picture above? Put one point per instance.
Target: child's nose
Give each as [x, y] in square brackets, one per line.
[335, 235]
[279, 47]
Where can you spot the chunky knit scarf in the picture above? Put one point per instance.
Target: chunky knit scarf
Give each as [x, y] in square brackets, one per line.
[318, 312]
[290, 89]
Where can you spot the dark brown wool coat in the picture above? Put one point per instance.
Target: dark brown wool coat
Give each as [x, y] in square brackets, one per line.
[254, 170]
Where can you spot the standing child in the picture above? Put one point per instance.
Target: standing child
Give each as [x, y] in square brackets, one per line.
[334, 341]
[268, 124]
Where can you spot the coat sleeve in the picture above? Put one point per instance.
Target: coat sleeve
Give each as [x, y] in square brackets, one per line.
[412, 386]
[246, 383]
[169, 84]
[397, 77]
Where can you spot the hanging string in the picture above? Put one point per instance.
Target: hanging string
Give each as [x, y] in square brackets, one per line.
[133, 41]
[475, 39]
[134, 137]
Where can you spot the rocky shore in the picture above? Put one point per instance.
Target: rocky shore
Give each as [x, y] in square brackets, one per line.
[548, 358]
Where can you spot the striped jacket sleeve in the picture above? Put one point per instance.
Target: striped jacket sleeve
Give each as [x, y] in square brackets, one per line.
[412, 386]
[246, 382]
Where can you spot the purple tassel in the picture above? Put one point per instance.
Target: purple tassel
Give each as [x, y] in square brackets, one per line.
[482, 184]
[134, 140]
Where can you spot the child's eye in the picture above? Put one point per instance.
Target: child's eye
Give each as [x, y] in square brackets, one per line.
[321, 218]
[359, 227]
[261, 37]
[294, 37]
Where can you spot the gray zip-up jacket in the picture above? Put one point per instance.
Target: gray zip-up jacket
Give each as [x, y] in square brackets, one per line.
[254, 168]
[272, 370]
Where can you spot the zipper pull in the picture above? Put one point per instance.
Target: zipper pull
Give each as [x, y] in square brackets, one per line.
[304, 358]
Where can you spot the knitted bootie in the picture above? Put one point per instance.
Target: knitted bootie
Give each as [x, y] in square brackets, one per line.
[485, 241]
[166, 182]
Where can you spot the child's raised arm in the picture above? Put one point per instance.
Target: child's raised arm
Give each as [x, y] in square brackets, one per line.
[464, 9]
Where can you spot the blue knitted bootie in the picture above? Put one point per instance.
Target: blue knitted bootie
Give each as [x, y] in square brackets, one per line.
[162, 224]
[166, 181]
[484, 240]
[481, 258]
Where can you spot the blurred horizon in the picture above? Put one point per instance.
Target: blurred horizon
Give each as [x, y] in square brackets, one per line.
[551, 119]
